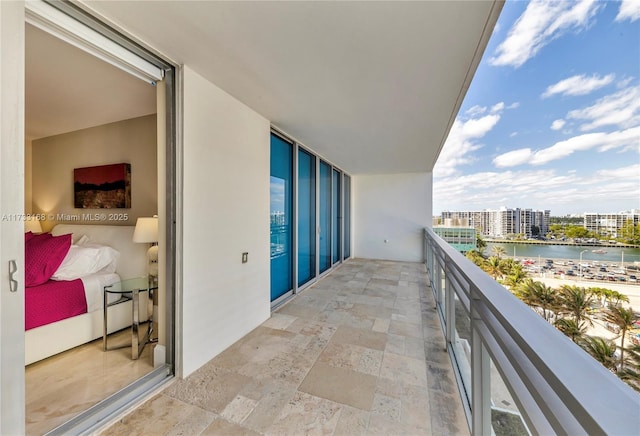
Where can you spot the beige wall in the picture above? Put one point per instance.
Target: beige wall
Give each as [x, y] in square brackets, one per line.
[54, 159]
[390, 212]
[225, 212]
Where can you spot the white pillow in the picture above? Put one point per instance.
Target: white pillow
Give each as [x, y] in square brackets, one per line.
[85, 260]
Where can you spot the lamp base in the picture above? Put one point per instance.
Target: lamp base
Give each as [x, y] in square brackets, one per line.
[152, 259]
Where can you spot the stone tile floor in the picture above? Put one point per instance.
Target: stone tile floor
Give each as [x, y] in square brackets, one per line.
[360, 352]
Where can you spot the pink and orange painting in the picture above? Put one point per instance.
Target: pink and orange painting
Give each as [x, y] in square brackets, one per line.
[102, 187]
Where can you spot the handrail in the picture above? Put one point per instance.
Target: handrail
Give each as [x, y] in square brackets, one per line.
[557, 386]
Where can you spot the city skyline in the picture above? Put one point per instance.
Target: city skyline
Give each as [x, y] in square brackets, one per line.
[552, 117]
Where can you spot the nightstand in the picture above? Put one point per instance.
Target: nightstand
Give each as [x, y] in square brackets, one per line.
[129, 290]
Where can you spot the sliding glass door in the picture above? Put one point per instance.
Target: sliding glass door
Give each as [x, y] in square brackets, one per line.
[347, 216]
[281, 217]
[336, 217]
[325, 216]
[310, 213]
[306, 216]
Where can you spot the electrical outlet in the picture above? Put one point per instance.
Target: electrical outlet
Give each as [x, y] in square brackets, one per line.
[245, 257]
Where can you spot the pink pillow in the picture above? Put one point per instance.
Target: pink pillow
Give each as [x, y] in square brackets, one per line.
[43, 255]
[28, 236]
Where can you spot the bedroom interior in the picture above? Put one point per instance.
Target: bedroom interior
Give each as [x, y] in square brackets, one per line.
[82, 112]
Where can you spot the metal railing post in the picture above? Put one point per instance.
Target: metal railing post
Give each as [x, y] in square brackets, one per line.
[480, 380]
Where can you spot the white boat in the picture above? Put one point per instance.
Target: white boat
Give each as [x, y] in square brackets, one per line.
[599, 251]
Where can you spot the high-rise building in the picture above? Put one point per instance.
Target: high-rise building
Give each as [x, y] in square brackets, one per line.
[610, 224]
[501, 222]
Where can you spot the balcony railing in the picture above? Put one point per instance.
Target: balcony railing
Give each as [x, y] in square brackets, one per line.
[514, 369]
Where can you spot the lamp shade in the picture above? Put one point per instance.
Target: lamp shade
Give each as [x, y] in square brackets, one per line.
[146, 230]
[32, 225]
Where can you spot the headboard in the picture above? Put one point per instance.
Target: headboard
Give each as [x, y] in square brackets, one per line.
[133, 256]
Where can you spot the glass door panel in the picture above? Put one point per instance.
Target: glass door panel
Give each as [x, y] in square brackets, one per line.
[280, 217]
[306, 217]
[325, 216]
[336, 218]
[347, 216]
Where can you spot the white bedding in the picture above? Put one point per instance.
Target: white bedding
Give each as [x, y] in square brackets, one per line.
[93, 286]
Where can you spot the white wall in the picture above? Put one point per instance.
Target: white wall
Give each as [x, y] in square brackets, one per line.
[225, 213]
[391, 207]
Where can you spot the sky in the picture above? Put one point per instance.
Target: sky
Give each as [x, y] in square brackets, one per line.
[552, 117]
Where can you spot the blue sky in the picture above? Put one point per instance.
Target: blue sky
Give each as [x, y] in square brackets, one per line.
[552, 117]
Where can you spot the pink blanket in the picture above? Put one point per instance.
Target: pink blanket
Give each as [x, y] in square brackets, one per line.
[53, 301]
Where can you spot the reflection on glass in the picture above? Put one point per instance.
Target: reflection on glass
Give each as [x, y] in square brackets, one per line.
[325, 216]
[306, 217]
[280, 216]
[347, 216]
[336, 217]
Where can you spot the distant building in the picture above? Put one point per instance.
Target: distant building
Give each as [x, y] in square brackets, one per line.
[462, 239]
[610, 224]
[502, 222]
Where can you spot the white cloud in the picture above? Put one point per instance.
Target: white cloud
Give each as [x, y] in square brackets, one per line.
[461, 142]
[578, 85]
[539, 189]
[621, 109]
[513, 134]
[562, 149]
[541, 22]
[498, 107]
[631, 172]
[629, 9]
[558, 124]
[476, 110]
[513, 158]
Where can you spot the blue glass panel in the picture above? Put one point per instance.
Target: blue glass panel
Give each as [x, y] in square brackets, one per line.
[325, 216]
[336, 217]
[306, 217]
[347, 216]
[280, 218]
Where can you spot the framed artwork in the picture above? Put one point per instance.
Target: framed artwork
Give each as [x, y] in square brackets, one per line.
[102, 187]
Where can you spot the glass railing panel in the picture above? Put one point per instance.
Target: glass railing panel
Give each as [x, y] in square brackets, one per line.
[506, 417]
[461, 346]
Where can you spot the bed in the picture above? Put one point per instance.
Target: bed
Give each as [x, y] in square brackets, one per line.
[44, 338]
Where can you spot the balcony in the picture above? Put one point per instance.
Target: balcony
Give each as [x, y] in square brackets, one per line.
[516, 373]
[363, 352]
[360, 352]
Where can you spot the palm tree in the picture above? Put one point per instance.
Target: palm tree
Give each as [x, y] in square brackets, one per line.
[537, 294]
[476, 257]
[576, 301]
[481, 244]
[617, 297]
[631, 372]
[568, 326]
[601, 293]
[603, 350]
[498, 251]
[494, 267]
[515, 278]
[624, 319]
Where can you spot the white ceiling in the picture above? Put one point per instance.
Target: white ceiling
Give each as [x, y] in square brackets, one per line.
[372, 86]
[68, 89]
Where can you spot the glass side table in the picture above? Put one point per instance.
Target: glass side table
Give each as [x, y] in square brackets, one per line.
[129, 290]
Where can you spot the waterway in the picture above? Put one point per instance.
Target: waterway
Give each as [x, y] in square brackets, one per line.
[533, 251]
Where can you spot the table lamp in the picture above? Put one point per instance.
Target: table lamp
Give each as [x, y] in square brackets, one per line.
[146, 231]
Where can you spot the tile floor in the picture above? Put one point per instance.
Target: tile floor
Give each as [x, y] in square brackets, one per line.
[360, 352]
